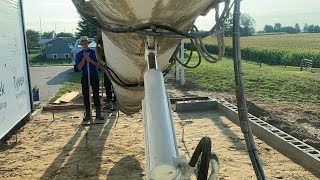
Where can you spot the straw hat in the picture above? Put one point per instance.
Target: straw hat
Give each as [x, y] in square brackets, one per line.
[84, 39]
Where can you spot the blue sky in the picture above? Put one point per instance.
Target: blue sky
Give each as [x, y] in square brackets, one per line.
[62, 15]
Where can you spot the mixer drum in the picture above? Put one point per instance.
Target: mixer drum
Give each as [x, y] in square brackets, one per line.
[125, 52]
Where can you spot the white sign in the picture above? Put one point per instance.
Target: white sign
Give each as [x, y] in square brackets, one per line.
[14, 89]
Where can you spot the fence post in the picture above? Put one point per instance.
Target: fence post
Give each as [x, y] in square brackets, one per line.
[177, 69]
[183, 82]
[301, 64]
[260, 62]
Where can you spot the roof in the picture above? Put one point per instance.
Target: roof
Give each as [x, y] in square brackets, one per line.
[44, 41]
[70, 39]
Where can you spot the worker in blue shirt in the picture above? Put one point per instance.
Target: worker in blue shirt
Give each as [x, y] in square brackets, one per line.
[83, 57]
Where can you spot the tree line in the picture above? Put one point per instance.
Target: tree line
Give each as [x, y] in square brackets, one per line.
[291, 29]
[84, 28]
[247, 27]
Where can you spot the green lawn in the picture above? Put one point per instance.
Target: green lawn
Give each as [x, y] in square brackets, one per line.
[35, 59]
[73, 84]
[268, 83]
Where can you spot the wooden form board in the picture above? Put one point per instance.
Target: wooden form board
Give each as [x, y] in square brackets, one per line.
[62, 107]
[67, 97]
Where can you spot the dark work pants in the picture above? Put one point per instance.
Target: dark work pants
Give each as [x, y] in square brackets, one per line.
[94, 82]
[108, 88]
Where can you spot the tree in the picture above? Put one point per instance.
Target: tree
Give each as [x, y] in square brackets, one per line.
[85, 28]
[32, 38]
[268, 28]
[246, 25]
[64, 34]
[48, 35]
[297, 27]
[228, 25]
[277, 27]
[316, 29]
[311, 28]
[289, 29]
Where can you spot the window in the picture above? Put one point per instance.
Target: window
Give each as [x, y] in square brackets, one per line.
[66, 55]
[55, 56]
[49, 45]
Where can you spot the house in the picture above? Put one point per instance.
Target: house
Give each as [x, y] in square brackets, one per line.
[57, 47]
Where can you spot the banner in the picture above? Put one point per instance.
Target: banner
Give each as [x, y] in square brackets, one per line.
[14, 83]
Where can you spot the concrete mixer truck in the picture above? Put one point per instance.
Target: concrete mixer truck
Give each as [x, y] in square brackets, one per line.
[137, 42]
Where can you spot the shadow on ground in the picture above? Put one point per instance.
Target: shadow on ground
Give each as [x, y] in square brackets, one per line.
[61, 77]
[81, 157]
[127, 168]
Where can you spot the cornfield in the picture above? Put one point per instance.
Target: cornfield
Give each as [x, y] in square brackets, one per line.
[283, 49]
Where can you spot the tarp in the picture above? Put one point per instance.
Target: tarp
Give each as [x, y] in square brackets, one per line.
[14, 83]
[124, 52]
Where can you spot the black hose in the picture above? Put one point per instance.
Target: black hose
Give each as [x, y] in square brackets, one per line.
[203, 149]
[185, 64]
[240, 96]
[118, 81]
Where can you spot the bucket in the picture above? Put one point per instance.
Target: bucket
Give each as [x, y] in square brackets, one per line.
[36, 96]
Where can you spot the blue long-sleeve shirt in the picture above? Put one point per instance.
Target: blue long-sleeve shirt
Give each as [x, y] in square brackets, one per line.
[93, 69]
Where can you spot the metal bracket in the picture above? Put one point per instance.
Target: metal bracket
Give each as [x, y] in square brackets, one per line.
[184, 167]
[151, 51]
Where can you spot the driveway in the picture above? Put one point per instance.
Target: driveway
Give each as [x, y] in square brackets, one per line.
[49, 80]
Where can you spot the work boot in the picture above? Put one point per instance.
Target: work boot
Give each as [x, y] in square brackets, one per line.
[86, 119]
[114, 105]
[108, 105]
[98, 114]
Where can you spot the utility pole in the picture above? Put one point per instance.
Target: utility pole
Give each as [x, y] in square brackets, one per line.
[40, 25]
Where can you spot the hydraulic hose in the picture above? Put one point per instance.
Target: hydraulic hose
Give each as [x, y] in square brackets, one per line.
[241, 100]
[203, 149]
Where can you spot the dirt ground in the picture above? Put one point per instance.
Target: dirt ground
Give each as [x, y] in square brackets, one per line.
[55, 146]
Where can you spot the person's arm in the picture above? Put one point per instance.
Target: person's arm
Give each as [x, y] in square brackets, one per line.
[93, 61]
[81, 64]
[80, 60]
[95, 64]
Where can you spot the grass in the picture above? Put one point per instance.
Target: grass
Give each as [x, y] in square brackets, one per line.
[35, 59]
[266, 84]
[73, 84]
